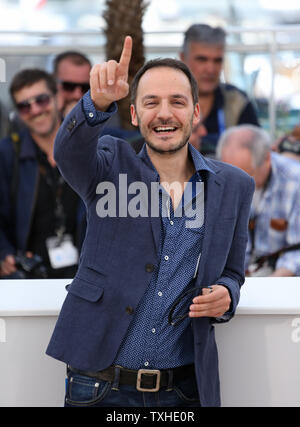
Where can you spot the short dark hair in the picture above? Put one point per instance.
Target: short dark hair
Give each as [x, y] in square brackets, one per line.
[73, 56]
[169, 63]
[30, 76]
[203, 33]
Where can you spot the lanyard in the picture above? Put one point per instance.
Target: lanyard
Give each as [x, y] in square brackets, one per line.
[56, 184]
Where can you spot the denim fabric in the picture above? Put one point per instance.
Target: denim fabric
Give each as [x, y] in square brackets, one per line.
[83, 391]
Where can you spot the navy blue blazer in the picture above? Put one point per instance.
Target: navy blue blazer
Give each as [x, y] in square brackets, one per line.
[114, 271]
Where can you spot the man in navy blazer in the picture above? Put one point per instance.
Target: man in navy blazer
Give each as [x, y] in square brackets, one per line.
[160, 224]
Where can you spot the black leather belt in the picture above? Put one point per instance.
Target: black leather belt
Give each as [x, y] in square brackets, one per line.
[150, 380]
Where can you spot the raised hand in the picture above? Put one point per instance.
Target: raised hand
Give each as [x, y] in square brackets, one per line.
[109, 81]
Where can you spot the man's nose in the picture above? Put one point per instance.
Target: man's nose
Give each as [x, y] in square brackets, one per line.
[164, 111]
[35, 108]
[210, 67]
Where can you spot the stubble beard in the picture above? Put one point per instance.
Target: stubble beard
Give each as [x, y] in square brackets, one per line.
[178, 147]
[46, 133]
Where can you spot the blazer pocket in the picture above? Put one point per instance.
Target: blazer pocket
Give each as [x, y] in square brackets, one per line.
[86, 290]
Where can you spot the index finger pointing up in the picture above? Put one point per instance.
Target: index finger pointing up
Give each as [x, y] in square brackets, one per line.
[125, 56]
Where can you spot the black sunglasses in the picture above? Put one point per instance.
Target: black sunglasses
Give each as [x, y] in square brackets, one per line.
[174, 320]
[41, 100]
[71, 86]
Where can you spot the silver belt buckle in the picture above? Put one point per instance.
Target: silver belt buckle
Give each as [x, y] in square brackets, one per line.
[148, 371]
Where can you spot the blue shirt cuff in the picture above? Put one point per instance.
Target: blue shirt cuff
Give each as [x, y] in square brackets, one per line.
[95, 117]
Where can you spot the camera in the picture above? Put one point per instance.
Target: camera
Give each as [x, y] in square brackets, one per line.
[30, 267]
[289, 144]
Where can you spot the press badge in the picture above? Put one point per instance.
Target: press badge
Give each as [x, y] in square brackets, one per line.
[61, 251]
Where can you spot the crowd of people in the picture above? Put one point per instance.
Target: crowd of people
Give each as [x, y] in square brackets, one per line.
[43, 220]
[136, 326]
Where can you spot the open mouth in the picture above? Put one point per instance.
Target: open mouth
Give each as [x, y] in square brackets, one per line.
[164, 129]
[39, 117]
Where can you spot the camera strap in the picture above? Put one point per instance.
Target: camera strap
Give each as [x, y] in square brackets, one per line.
[272, 258]
[61, 249]
[16, 141]
[56, 183]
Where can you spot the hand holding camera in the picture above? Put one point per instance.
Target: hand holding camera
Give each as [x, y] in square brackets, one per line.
[23, 266]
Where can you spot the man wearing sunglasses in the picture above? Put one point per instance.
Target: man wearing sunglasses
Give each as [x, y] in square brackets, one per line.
[72, 74]
[36, 205]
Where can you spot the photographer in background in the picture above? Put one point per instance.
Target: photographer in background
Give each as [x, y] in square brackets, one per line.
[274, 227]
[41, 218]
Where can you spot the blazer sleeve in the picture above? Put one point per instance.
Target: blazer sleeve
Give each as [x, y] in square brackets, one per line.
[233, 275]
[81, 157]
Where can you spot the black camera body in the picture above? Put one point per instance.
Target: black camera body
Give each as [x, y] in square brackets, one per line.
[30, 267]
[290, 145]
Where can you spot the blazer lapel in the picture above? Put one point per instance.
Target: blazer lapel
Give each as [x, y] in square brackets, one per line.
[149, 176]
[214, 190]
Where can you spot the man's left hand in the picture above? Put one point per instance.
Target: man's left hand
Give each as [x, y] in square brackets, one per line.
[213, 302]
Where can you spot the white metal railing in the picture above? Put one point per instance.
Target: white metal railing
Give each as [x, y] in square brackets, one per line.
[156, 43]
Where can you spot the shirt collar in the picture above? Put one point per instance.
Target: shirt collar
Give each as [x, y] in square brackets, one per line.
[143, 154]
[198, 160]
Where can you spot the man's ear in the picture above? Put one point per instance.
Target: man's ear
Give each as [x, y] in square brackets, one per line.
[134, 119]
[197, 114]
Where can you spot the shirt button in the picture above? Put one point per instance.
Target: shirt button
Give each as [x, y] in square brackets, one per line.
[71, 124]
[159, 294]
[91, 115]
[153, 330]
[171, 222]
[146, 364]
[166, 257]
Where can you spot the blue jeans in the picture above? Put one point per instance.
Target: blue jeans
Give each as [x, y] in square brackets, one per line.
[86, 391]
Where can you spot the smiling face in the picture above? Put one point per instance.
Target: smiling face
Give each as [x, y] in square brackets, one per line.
[164, 109]
[40, 119]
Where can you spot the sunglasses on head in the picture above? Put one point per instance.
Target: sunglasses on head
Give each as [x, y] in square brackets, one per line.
[41, 100]
[71, 86]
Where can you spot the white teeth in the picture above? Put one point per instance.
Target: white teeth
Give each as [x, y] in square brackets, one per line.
[164, 129]
[39, 117]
